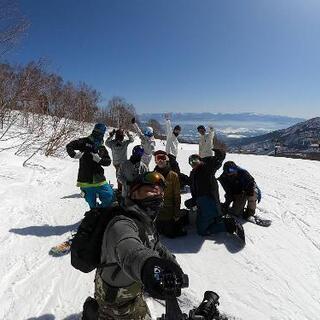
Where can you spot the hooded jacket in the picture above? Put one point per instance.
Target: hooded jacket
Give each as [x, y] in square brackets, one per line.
[172, 196]
[237, 183]
[202, 177]
[90, 172]
[119, 149]
[148, 144]
[123, 246]
[172, 143]
[206, 144]
[128, 172]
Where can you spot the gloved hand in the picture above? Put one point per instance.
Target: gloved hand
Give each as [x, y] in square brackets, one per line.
[153, 271]
[95, 157]
[111, 133]
[133, 120]
[190, 203]
[78, 155]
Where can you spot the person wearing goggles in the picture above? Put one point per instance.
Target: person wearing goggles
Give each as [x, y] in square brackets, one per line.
[205, 195]
[92, 156]
[134, 254]
[240, 189]
[130, 170]
[147, 141]
[169, 222]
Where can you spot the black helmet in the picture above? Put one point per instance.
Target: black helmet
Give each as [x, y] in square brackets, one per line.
[138, 151]
[230, 167]
[193, 159]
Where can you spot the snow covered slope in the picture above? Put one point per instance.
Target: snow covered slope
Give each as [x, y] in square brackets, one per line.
[275, 276]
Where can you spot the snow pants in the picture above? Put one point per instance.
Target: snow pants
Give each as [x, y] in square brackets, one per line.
[120, 303]
[240, 201]
[104, 193]
[209, 219]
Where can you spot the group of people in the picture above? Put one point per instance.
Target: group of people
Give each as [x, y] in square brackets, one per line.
[148, 203]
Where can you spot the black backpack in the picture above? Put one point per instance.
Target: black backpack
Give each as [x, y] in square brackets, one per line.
[86, 243]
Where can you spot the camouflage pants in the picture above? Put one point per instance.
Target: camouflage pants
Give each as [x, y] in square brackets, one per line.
[120, 303]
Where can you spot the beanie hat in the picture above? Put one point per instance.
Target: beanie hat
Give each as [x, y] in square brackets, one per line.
[100, 128]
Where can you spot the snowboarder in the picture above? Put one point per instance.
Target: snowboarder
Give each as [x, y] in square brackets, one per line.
[206, 142]
[135, 256]
[92, 155]
[147, 141]
[240, 189]
[169, 221]
[130, 169]
[172, 145]
[119, 147]
[205, 195]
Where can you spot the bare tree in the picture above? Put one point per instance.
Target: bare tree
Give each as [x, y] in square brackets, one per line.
[12, 25]
[156, 126]
[120, 112]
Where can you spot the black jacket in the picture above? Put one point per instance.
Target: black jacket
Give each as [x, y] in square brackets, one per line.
[237, 184]
[89, 170]
[202, 177]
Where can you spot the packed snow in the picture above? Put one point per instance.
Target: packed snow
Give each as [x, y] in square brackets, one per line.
[275, 276]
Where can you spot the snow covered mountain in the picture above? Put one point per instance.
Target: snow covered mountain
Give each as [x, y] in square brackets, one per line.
[275, 276]
[298, 137]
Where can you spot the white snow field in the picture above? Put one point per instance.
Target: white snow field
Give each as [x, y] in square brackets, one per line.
[275, 276]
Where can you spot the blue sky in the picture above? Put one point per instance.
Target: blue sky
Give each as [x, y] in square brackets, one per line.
[184, 55]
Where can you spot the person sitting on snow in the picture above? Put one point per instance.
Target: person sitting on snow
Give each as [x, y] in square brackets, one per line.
[169, 221]
[130, 169]
[205, 142]
[119, 147]
[205, 195]
[92, 155]
[147, 141]
[240, 190]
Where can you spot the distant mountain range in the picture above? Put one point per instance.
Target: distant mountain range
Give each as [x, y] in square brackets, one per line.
[302, 136]
[227, 125]
[207, 117]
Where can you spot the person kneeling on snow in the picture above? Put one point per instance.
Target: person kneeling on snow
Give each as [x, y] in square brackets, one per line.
[130, 169]
[241, 189]
[205, 195]
[135, 256]
[92, 155]
[169, 221]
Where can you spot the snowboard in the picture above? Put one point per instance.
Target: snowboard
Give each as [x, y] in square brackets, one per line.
[256, 219]
[61, 249]
[259, 221]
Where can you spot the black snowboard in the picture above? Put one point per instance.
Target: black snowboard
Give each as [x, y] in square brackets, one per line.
[259, 221]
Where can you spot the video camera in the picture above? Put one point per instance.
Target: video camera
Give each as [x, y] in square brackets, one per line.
[171, 286]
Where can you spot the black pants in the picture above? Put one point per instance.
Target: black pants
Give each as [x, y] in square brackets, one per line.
[174, 165]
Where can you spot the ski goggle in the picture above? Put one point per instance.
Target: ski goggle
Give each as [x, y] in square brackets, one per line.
[193, 161]
[231, 170]
[152, 178]
[161, 157]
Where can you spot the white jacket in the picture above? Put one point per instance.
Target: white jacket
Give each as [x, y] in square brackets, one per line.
[172, 141]
[148, 144]
[206, 144]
